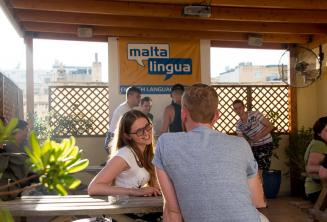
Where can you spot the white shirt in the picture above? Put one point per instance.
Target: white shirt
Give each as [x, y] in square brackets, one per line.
[135, 176]
[118, 113]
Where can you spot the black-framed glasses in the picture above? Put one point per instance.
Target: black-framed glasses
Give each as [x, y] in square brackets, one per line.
[141, 131]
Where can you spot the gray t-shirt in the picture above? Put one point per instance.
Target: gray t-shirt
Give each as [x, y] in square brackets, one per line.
[209, 171]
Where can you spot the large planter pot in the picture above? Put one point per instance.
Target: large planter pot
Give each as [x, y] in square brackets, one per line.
[297, 184]
[271, 182]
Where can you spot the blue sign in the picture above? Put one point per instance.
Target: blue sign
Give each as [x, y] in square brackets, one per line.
[145, 89]
[169, 66]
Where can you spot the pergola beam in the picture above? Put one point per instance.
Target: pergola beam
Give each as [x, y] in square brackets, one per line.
[219, 12]
[156, 33]
[168, 24]
[298, 4]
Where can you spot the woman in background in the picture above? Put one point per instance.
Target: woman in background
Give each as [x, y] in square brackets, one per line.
[313, 158]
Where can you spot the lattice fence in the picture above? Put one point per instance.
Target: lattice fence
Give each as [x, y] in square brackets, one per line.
[79, 110]
[269, 100]
[11, 99]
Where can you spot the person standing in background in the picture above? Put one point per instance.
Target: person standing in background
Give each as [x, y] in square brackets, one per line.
[133, 97]
[255, 128]
[172, 115]
[146, 105]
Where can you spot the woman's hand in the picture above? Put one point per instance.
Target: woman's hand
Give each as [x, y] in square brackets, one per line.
[146, 191]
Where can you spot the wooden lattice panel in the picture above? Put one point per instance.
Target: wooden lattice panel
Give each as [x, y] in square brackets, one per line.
[11, 99]
[79, 110]
[262, 98]
[267, 99]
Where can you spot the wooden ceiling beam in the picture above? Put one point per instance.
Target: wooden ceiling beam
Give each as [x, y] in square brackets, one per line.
[229, 44]
[156, 33]
[168, 24]
[297, 4]
[67, 36]
[173, 11]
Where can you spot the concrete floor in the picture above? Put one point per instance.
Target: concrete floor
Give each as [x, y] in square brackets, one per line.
[286, 209]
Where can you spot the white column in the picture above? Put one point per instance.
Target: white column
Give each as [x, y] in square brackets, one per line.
[205, 61]
[29, 79]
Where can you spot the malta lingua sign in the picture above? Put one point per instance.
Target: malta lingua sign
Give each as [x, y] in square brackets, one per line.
[154, 66]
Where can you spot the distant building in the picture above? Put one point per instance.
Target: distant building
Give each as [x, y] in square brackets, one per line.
[63, 73]
[248, 73]
[59, 74]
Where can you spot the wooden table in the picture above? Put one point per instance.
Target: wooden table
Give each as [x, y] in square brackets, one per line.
[80, 205]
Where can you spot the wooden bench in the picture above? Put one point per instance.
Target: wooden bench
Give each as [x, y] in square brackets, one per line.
[80, 205]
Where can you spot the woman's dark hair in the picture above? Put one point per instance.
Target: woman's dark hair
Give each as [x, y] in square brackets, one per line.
[121, 140]
[318, 127]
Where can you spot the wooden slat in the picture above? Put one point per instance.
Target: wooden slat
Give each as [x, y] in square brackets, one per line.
[312, 4]
[168, 24]
[72, 37]
[175, 11]
[230, 44]
[156, 33]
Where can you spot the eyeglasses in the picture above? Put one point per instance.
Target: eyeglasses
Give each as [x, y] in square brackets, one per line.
[141, 131]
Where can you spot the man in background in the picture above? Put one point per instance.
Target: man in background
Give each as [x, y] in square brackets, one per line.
[20, 134]
[172, 115]
[133, 97]
[146, 105]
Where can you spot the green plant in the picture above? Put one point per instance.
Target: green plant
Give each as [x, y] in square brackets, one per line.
[54, 162]
[6, 135]
[6, 131]
[298, 143]
[42, 127]
[273, 117]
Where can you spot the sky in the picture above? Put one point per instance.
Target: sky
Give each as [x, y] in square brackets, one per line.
[46, 52]
[231, 57]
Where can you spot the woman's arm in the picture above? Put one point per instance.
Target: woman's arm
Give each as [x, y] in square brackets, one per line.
[171, 210]
[313, 164]
[102, 183]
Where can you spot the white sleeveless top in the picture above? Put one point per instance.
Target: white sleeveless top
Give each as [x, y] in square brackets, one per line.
[135, 176]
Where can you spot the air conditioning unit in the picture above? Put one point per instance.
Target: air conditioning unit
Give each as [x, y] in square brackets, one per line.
[197, 10]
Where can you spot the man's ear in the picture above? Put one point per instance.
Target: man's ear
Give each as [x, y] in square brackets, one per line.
[215, 118]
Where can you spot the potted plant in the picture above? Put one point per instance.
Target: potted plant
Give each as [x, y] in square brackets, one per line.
[298, 143]
[52, 162]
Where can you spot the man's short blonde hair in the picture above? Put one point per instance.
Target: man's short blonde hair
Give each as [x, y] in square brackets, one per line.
[201, 101]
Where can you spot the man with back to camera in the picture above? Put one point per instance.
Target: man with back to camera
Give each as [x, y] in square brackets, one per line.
[206, 175]
[172, 119]
[133, 97]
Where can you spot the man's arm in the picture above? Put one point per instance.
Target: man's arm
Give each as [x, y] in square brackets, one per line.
[171, 210]
[268, 127]
[167, 119]
[256, 190]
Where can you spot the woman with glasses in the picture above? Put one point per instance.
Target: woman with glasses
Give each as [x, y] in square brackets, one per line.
[129, 171]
